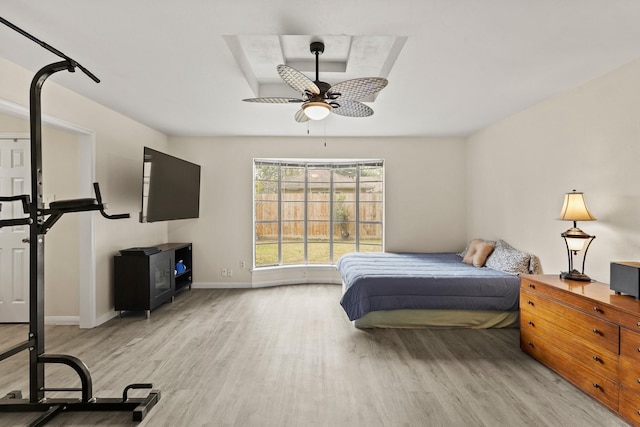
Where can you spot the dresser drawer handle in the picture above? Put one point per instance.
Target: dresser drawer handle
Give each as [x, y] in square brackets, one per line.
[530, 302]
[638, 324]
[638, 380]
[638, 349]
[530, 322]
[596, 385]
[596, 359]
[596, 309]
[529, 343]
[597, 332]
[532, 286]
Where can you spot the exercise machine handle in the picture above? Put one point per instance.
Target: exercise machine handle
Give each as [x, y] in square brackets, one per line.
[24, 198]
[96, 188]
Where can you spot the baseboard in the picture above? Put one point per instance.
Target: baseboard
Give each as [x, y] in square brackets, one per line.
[294, 275]
[62, 320]
[220, 285]
[105, 318]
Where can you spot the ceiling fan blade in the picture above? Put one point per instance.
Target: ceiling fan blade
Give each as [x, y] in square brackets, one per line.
[351, 90]
[297, 80]
[353, 109]
[274, 100]
[301, 117]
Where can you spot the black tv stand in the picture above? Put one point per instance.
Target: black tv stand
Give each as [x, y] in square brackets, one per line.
[147, 277]
[149, 250]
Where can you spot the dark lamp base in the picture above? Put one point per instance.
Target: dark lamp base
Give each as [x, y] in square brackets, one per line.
[575, 275]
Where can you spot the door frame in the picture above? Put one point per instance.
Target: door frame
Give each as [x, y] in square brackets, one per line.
[86, 244]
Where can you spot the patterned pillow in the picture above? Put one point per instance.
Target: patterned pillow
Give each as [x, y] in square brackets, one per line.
[535, 267]
[508, 259]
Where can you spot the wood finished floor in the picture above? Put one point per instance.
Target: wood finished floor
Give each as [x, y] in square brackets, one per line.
[288, 356]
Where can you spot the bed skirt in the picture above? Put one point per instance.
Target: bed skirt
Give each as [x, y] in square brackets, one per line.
[405, 318]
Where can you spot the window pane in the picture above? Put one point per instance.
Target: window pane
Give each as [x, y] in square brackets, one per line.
[319, 180]
[318, 253]
[319, 211]
[264, 188]
[366, 247]
[293, 193]
[370, 211]
[266, 232]
[266, 254]
[292, 253]
[292, 231]
[370, 172]
[318, 230]
[292, 211]
[291, 174]
[371, 233]
[343, 212]
[267, 211]
[345, 194]
[344, 231]
[342, 174]
[340, 249]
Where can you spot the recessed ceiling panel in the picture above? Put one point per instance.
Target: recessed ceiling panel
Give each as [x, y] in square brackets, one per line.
[344, 58]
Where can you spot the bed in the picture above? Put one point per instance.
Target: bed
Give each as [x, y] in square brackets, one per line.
[411, 290]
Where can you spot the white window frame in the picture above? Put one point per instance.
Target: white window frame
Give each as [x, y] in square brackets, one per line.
[358, 164]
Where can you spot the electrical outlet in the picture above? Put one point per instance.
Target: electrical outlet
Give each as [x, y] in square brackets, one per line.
[229, 272]
[223, 272]
[241, 264]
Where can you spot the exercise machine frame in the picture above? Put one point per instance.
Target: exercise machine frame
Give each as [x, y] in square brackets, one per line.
[40, 220]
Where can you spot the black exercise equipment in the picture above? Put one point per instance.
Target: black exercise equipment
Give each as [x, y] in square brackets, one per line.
[40, 220]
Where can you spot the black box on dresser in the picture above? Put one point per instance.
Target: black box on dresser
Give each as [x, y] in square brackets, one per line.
[625, 278]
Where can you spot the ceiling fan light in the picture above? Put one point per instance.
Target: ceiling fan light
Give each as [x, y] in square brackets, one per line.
[316, 110]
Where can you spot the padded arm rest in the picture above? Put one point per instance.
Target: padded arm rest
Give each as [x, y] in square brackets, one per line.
[74, 205]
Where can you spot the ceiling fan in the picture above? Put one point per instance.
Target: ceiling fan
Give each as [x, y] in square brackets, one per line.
[320, 98]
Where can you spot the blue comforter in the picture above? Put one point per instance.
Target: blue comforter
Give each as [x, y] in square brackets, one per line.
[391, 281]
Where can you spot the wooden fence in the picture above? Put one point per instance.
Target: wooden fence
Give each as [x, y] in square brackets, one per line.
[319, 215]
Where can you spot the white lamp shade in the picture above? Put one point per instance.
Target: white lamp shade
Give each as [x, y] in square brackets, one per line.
[316, 110]
[576, 244]
[575, 209]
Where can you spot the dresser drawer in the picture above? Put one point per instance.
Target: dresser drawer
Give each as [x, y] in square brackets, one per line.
[630, 406]
[595, 385]
[587, 305]
[630, 374]
[589, 354]
[586, 326]
[630, 321]
[629, 344]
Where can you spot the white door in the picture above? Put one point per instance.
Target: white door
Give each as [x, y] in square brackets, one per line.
[15, 179]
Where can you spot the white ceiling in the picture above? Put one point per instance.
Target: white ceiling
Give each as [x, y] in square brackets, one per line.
[177, 65]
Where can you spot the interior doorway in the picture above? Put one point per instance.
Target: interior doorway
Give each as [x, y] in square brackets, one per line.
[86, 291]
[15, 179]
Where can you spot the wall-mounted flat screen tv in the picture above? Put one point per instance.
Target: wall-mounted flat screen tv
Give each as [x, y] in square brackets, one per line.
[170, 188]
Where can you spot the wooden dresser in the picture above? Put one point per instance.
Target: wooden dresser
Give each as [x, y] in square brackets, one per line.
[588, 335]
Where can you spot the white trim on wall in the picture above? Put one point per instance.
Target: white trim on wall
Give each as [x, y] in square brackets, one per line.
[86, 252]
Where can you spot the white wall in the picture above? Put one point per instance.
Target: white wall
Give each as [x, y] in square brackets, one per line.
[118, 150]
[587, 139]
[425, 194]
